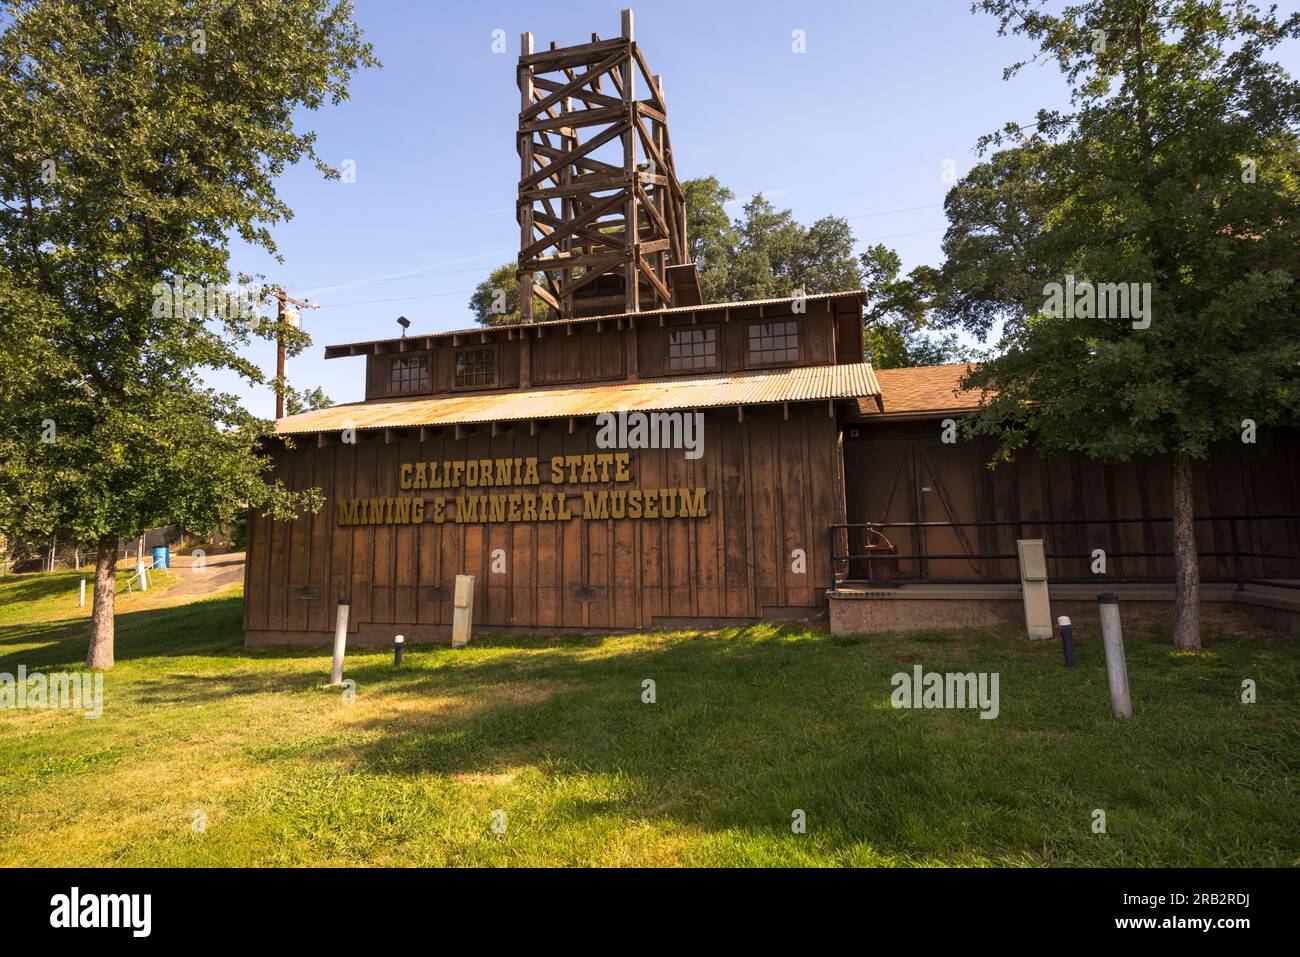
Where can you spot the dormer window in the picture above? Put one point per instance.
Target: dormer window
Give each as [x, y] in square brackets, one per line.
[409, 374]
[773, 343]
[475, 367]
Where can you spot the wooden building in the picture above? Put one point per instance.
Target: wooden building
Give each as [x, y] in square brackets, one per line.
[629, 457]
[903, 473]
[494, 433]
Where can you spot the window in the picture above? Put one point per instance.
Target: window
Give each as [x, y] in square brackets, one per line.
[476, 367]
[690, 349]
[409, 374]
[773, 342]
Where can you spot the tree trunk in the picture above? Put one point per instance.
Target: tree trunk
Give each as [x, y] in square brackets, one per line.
[1187, 573]
[101, 619]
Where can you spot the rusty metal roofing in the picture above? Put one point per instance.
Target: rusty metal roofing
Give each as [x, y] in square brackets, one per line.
[802, 384]
[336, 351]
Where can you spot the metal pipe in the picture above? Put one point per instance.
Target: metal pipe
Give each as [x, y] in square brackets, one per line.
[340, 640]
[1112, 641]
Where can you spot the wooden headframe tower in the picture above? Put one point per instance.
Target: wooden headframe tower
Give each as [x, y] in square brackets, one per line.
[601, 216]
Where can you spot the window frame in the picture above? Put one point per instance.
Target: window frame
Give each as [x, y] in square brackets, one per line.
[713, 328]
[425, 387]
[752, 363]
[489, 347]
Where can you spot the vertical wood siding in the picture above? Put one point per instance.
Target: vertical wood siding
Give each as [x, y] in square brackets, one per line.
[773, 486]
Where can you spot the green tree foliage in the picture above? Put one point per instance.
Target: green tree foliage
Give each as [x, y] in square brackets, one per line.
[710, 236]
[495, 301]
[1176, 166]
[897, 332]
[306, 401]
[766, 253]
[137, 138]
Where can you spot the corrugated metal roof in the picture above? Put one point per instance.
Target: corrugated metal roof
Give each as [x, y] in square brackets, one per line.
[802, 384]
[331, 351]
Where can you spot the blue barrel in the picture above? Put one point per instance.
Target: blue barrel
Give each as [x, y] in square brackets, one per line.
[162, 557]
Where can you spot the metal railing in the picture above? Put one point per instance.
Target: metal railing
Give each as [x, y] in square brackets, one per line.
[881, 549]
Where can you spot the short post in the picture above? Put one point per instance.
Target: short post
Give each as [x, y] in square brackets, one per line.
[340, 640]
[1033, 587]
[1067, 640]
[462, 619]
[139, 572]
[83, 593]
[1112, 640]
[399, 645]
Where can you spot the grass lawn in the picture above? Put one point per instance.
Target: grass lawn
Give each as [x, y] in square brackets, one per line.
[750, 725]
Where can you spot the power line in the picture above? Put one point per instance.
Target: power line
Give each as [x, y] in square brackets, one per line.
[890, 212]
[370, 302]
[919, 232]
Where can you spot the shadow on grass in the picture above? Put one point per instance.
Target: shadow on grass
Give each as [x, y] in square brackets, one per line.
[736, 742]
[210, 628]
[42, 586]
[750, 724]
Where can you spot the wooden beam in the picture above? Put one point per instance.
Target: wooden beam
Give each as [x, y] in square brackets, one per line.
[555, 59]
[574, 86]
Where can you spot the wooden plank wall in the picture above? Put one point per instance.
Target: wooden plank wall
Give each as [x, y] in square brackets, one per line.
[903, 472]
[566, 355]
[816, 339]
[773, 484]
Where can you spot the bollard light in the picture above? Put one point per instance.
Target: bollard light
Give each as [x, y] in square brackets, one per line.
[399, 645]
[1067, 640]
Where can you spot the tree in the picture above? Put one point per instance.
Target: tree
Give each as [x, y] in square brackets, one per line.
[306, 401]
[495, 301]
[897, 331]
[137, 138]
[1140, 248]
[773, 255]
[710, 237]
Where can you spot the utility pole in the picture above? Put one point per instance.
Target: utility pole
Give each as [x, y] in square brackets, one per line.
[283, 315]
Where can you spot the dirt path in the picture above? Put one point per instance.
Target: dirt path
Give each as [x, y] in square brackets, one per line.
[218, 572]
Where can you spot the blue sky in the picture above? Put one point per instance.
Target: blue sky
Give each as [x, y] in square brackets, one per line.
[858, 126]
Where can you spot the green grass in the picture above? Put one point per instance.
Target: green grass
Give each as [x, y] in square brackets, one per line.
[750, 724]
[46, 598]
